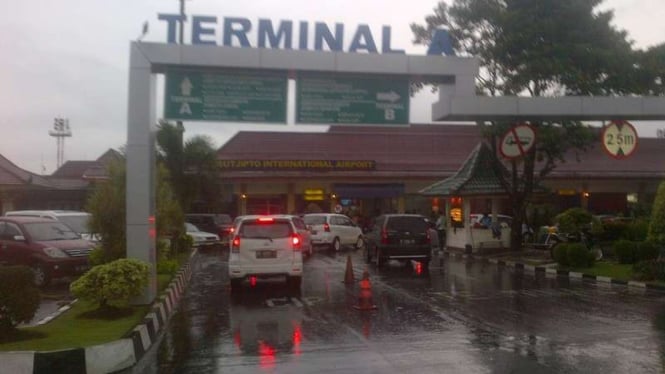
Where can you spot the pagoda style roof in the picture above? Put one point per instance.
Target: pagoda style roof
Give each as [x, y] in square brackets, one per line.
[478, 176]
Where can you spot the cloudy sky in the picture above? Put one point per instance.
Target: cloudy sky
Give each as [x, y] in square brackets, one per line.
[69, 58]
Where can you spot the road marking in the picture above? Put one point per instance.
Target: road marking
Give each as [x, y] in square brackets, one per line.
[297, 302]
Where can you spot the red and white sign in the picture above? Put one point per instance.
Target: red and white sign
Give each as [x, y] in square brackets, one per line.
[619, 139]
[517, 141]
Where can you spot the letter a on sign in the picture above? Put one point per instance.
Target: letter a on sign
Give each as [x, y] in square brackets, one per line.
[185, 109]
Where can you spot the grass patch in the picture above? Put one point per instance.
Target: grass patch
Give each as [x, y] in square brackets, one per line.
[75, 329]
[609, 269]
[83, 325]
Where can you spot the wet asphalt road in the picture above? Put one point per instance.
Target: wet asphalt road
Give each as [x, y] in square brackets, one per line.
[462, 317]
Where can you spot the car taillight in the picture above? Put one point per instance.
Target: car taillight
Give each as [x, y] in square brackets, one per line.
[296, 242]
[235, 245]
[326, 227]
[384, 236]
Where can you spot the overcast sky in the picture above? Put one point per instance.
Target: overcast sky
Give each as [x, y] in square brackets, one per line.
[69, 58]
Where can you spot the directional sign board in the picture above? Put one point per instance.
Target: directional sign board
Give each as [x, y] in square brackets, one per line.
[619, 139]
[352, 99]
[235, 96]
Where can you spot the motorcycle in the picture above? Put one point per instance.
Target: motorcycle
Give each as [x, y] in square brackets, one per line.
[549, 238]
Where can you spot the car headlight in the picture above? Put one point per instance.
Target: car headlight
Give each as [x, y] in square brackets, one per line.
[54, 252]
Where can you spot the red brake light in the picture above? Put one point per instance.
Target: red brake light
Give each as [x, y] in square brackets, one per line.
[266, 219]
[326, 227]
[235, 245]
[384, 236]
[296, 241]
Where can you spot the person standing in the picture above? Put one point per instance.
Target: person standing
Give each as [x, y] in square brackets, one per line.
[441, 230]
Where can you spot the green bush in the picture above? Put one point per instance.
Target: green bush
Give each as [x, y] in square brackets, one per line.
[657, 223]
[649, 270]
[624, 251]
[614, 231]
[561, 254]
[19, 297]
[166, 266]
[579, 256]
[646, 250]
[112, 284]
[637, 230]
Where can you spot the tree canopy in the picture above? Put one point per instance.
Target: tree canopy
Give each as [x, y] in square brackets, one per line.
[544, 48]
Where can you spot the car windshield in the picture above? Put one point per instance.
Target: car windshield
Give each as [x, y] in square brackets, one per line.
[78, 223]
[222, 219]
[315, 220]
[271, 230]
[191, 228]
[408, 223]
[47, 231]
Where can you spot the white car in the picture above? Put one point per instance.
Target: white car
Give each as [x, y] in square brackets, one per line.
[334, 231]
[268, 247]
[202, 239]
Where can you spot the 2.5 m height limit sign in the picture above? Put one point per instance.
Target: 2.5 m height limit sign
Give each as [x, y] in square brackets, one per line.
[352, 99]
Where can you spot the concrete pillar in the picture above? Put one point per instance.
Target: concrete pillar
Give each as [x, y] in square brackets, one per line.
[401, 204]
[466, 211]
[290, 198]
[243, 199]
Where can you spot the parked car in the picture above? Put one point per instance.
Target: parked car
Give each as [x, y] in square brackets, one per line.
[50, 248]
[202, 239]
[76, 220]
[219, 224]
[334, 231]
[266, 247]
[399, 237]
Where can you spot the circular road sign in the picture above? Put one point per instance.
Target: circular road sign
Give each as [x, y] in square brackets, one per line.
[619, 139]
[517, 141]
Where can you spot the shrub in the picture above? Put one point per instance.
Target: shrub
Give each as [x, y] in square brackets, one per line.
[169, 267]
[657, 224]
[624, 251]
[579, 256]
[112, 284]
[646, 250]
[649, 270]
[19, 297]
[637, 230]
[614, 231]
[561, 254]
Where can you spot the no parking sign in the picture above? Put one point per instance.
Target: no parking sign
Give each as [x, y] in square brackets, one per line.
[517, 141]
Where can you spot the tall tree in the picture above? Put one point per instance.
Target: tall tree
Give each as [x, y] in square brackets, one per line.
[538, 48]
[192, 166]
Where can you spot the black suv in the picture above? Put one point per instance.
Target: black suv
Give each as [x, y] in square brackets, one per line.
[398, 237]
[220, 224]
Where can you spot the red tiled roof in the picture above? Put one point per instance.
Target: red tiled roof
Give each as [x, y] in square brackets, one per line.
[419, 150]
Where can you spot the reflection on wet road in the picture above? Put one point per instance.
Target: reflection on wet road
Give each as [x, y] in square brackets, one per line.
[460, 317]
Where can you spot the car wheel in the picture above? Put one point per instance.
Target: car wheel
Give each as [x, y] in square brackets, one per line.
[360, 243]
[236, 284]
[335, 246]
[42, 278]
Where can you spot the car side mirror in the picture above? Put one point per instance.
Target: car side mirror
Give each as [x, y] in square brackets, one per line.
[19, 238]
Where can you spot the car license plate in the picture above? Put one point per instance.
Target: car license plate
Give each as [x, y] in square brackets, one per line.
[266, 254]
[407, 241]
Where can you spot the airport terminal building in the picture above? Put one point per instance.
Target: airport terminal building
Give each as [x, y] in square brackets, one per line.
[367, 170]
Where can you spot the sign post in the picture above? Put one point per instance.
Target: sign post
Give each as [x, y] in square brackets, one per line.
[225, 96]
[619, 139]
[348, 99]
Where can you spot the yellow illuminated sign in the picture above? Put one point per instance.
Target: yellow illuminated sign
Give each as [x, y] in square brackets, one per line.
[456, 214]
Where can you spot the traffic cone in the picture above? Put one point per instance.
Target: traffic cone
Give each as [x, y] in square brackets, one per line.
[365, 297]
[348, 276]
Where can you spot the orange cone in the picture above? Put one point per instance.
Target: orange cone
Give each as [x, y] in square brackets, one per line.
[365, 297]
[348, 277]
